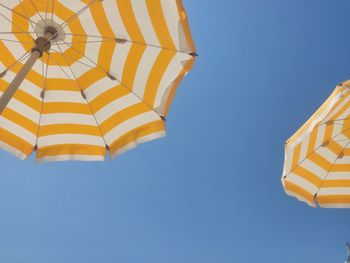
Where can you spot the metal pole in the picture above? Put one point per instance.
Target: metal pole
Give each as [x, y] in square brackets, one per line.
[42, 44]
[11, 90]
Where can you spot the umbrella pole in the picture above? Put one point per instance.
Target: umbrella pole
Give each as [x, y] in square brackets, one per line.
[42, 44]
[11, 90]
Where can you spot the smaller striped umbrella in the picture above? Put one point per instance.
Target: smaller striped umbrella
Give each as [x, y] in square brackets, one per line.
[317, 156]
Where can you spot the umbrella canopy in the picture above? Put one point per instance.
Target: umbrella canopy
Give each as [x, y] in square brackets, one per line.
[100, 75]
[317, 156]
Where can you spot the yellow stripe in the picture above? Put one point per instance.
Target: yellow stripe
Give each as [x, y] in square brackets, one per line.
[334, 147]
[61, 84]
[136, 51]
[307, 175]
[320, 161]
[336, 105]
[28, 100]
[314, 116]
[160, 66]
[328, 133]
[296, 156]
[69, 129]
[336, 183]
[299, 191]
[129, 20]
[16, 142]
[65, 107]
[70, 149]
[20, 120]
[341, 167]
[159, 24]
[131, 64]
[7, 59]
[23, 97]
[122, 116]
[185, 24]
[139, 132]
[312, 141]
[186, 68]
[333, 199]
[108, 97]
[103, 25]
[90, 77]
[20, 21]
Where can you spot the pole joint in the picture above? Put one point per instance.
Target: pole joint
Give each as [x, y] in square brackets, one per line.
[41, 45]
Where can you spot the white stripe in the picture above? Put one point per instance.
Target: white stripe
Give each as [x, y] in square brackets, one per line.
[75, 157]
[324, 191]
[24, 110]
[70, 139]
[144, 22]
[26, 86]
[70, 118]
[64, 96]
[314, 168]
[320, 136]
[174, 24]
[304, 147]
[98, 88]
[129, 125]
[113, 14]
[327, 154]
[300, 198]
[12, 150]
[116, 106]
[17, 130]
[340, 205]
[172, 72]
[338, 176]
[144, 69]
[301, 182]
[119, 58]
[137, 142]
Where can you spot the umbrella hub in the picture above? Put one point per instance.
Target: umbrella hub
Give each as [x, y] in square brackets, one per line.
[45, 26]
[48, 32]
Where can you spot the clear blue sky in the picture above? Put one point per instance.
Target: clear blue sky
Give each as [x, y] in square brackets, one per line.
[210, 191]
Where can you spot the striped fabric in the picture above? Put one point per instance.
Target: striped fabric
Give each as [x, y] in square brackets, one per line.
[317, 156]
[107, 85]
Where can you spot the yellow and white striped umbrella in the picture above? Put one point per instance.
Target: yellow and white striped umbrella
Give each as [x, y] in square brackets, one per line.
[317, 156]
[106, 74]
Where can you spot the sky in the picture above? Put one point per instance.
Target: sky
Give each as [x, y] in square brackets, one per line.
[210, 191]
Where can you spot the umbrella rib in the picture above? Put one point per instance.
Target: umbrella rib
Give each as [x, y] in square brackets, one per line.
[84, 97]
[307, 156]
[330, 168]
[105, 38]
[11, 10]
[44, 74]
[10, 33]
[117, 79]
[23, 31]
[36, 9]
[15, 41]
[47, 8]
[78, 61]
[53, 9]
[22, 58]
[82, 10]
[27, 17]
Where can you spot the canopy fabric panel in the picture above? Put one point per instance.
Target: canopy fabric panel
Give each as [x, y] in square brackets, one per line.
[107, 85]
